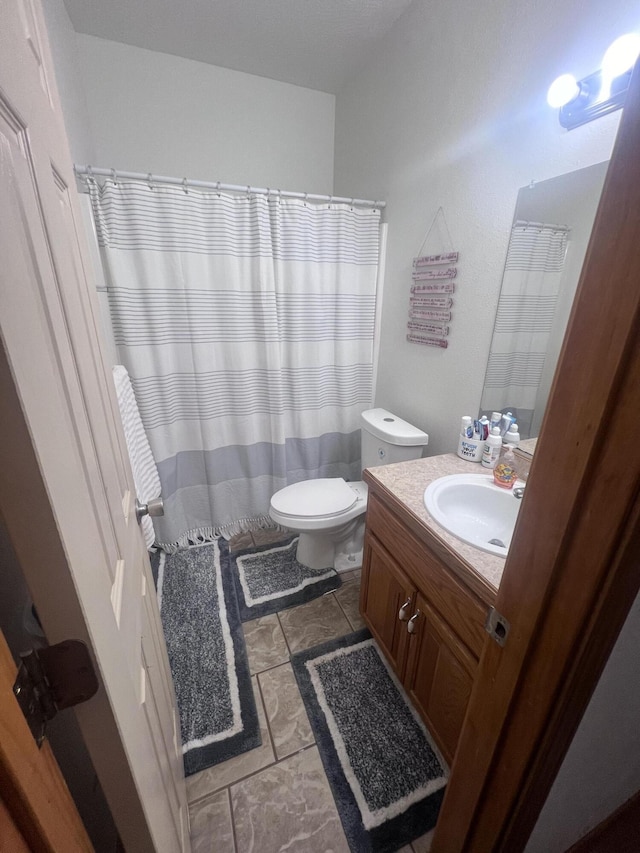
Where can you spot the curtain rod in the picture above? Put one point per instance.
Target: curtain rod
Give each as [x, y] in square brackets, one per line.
[91, 171]
[523, 223]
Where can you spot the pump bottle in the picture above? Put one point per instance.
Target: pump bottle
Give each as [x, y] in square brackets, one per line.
[492, 448]
[504, 473]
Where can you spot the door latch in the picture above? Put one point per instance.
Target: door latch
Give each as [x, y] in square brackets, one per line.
[154, 509]
[497, 626]
[52, 679]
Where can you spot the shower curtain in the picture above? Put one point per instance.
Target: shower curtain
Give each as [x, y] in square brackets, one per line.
[526, 308]
[246, 325]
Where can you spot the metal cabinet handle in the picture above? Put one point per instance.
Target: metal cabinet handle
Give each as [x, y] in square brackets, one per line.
[411, 624]
[403, 614]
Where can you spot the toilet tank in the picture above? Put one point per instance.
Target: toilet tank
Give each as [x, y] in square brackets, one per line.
[386, 438]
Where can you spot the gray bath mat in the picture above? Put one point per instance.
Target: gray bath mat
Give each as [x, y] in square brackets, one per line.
[218, 717]
[268, 578]
[386, 777]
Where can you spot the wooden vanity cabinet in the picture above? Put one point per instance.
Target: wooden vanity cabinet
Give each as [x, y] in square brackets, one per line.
[388, 591]
[439, 677]
[429, 624]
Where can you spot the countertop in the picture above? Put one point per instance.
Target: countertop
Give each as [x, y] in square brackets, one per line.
[406, 482]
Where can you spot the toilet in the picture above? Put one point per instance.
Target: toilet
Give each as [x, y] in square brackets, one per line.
[329, 513]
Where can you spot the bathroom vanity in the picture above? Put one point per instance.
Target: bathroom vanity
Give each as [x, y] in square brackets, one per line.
[425, 594]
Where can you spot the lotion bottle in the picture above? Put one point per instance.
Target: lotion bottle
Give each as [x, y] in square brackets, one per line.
[492, 448]
[513, 436]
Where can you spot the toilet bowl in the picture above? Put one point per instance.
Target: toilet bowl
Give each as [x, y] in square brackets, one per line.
[329, 513]
[329, 516]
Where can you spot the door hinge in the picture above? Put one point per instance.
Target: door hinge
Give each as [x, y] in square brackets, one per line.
[52, 679]
[497, 626]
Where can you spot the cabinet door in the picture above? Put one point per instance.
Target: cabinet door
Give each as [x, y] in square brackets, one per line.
[439, 676]
[385, 592]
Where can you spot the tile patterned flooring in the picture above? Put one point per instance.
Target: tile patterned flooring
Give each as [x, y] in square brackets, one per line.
[276, 797]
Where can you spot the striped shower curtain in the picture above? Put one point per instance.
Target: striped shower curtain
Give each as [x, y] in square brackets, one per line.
[246, 325]
[524, 318]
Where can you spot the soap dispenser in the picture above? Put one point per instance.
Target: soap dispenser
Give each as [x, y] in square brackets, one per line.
[504, 473]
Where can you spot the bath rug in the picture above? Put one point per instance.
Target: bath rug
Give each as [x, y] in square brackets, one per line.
[268, 578]
[207, 654]
[385, 773]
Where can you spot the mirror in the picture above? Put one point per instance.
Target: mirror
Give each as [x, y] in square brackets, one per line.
[549, 237]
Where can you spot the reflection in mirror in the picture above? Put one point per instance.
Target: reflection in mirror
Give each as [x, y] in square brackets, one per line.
[549, 238]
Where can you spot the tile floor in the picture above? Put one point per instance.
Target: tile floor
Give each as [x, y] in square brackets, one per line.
[276, 797]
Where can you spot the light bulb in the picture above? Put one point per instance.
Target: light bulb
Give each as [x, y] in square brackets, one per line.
[620, 56]
[563, 90]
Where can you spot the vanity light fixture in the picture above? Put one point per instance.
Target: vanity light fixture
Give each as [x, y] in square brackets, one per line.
[602, 92]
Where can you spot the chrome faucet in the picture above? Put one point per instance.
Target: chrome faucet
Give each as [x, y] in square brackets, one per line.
[518, 492]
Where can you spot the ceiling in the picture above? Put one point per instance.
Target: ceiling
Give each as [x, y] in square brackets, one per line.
[312, 43]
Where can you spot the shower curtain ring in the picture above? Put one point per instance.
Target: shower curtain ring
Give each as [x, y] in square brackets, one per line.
[184, 186]
[306, 196]
[248, 190]
[90, 173]
[150, 180]
[114, 177]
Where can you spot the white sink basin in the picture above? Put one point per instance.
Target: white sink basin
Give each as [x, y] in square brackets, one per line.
[474, 509]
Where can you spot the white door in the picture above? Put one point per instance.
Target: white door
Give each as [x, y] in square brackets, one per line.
[66, 489]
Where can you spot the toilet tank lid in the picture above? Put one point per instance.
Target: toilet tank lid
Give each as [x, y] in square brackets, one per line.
[391, 428]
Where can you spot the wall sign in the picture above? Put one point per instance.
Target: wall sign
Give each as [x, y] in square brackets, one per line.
[430, 300]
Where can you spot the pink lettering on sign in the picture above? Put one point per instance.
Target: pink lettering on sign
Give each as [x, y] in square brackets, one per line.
[428, 342]
[436, 287]
[434, 275]
[419, 302]
[434, 260]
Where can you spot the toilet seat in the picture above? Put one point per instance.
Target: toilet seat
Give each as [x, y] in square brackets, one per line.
[314, 498]
[328, 515]
[306, 507]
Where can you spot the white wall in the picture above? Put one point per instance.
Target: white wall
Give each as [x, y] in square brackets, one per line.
[601, 769]
[152, 112]
[143, 111]
[62, 40]
[452, 111]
